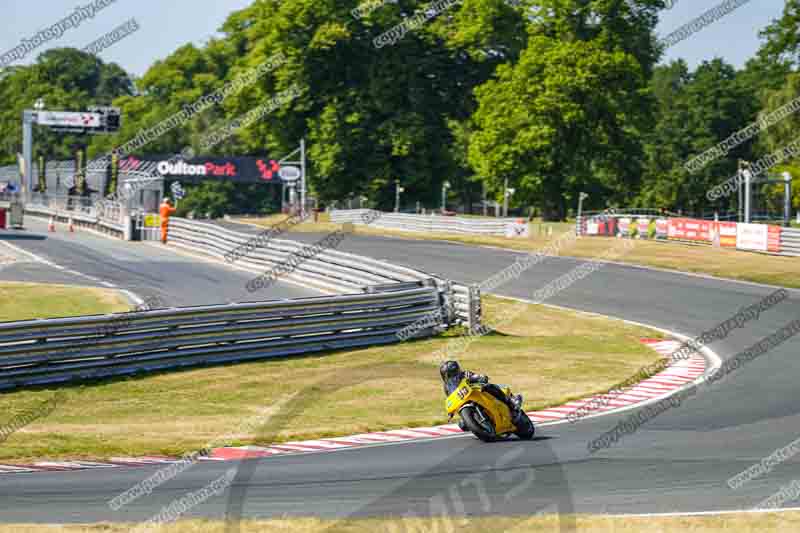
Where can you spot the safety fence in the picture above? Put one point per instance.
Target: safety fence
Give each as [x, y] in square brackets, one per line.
[764, 238]
[59, 177]
[40, 352]
[106, 217]
[507, 227]
[328, 269]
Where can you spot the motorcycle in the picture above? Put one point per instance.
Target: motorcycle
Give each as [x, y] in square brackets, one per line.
[485, 416]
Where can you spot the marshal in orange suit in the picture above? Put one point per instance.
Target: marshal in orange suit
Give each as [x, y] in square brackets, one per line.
[165, 211]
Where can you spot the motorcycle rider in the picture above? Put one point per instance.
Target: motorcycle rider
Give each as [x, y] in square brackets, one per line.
[452, 375]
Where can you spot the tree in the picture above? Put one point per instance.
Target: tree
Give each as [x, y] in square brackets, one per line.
[66, 79]
[782, 46]
[696, 112]
[774, 73]
[566, 116]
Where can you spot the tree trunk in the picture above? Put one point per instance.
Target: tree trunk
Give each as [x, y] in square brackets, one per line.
[554, 208]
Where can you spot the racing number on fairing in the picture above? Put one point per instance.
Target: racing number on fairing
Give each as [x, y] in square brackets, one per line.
[462, 392]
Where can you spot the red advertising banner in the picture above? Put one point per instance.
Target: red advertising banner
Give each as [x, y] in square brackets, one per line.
[690, 229]
[605, 226]
[774, 239]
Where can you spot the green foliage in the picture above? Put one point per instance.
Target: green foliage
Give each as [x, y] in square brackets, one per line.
[221, 198]
[67, 80]
[557, 96]
[777, 63]
[696, 111]
[209, 198]
[566, 116]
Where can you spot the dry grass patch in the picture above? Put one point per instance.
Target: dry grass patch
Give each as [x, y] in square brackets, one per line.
[25, 301]
[548, 354]
[741, 523]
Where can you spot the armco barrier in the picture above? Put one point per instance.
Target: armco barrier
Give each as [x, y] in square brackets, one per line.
[39, 352]
[426, 223]
[329, 270]
[790, 242]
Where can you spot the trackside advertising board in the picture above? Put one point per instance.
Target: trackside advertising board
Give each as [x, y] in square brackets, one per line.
[601, 225]
[727, 234]
[518, 229]
[751, 237]
[624, 226]
[690, 229]
[758, 237]
[643, 228]
[662, 228]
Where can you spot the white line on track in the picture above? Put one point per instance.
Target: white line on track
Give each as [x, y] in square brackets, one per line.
[704, 513]
[32, 256]
[39, 259]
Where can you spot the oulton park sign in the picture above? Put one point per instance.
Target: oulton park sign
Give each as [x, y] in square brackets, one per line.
[238, 169]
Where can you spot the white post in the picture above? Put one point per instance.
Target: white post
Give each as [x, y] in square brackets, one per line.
[303, 177]
[581, 197]
[27, 154]
[787, 201]
[505, 197]
[396, 196]
[292, 198]
[747, 195]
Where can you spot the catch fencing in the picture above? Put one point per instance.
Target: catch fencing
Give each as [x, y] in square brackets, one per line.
[106, 217]
[429, 223]
[43, 352]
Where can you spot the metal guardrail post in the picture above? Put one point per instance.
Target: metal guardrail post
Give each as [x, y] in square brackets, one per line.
[475, 308]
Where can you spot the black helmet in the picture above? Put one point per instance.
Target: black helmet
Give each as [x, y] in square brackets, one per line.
[449, 369]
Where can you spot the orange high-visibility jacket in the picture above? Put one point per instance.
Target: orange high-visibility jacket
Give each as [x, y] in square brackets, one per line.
[165, 211]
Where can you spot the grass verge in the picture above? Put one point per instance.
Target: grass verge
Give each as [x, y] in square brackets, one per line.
[550, 355]
[741, 523]
[724, 263]
[24, 301]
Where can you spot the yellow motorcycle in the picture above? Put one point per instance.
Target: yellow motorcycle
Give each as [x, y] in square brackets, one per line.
[485, 416]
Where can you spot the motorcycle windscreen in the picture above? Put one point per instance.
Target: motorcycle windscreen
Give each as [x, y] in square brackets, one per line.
[452, 384]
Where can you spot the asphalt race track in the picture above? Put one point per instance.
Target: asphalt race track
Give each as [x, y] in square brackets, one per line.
[143, 268]
[677, 462]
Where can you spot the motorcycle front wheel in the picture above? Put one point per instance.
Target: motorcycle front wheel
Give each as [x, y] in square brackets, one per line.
[478, 423]
[525, 429]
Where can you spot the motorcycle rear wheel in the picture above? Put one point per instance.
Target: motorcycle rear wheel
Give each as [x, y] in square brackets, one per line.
[478, 423]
